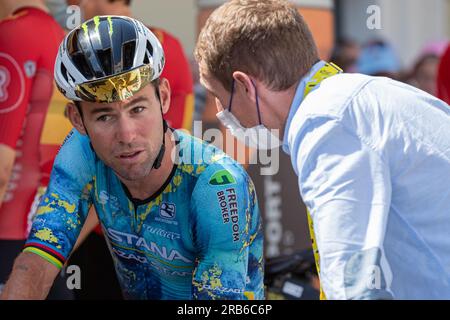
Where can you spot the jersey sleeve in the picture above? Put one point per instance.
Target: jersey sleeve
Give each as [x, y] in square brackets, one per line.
[64, 207]
[225, 223]
[346, 187]
[15, 86]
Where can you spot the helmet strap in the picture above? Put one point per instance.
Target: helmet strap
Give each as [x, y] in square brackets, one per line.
[162, 150]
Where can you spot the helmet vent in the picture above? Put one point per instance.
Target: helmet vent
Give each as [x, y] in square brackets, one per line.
[104, 57]
[128, 53]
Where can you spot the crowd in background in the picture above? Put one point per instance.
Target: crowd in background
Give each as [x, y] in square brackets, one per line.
[379, 58]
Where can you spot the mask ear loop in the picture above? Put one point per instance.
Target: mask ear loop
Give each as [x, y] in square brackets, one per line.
[257, 102]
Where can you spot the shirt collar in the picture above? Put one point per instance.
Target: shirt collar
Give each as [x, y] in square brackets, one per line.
[298, 98]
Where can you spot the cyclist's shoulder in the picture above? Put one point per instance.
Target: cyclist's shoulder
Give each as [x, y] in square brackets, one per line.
[76, 147]
[208, 164]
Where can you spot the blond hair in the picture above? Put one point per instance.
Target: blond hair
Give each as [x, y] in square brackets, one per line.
[267, 39]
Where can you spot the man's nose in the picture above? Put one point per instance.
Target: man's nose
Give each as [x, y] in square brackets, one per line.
[126, 130]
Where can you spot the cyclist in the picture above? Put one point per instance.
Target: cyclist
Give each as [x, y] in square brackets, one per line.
[181, 217]
[98, 269]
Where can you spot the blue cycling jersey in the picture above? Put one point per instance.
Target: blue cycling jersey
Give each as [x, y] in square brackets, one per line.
[198, 237]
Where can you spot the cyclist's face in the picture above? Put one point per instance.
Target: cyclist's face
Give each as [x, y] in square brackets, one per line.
[127, 135]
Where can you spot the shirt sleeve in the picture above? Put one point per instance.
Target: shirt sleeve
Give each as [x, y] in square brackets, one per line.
[64, 207]
[345, 184]
[225, 223]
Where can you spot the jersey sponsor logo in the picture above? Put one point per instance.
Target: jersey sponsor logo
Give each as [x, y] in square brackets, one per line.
[105, 198]
[171, 272]
[229, 209]
[222, 177]
[142, 259]
[5, 78]
[12, 84]
[163, 233]
[167, 210]
[30, 68]
[130, 256]
[222, 289]
[140, 243]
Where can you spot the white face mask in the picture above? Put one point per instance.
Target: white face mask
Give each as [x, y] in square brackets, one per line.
[258, 137]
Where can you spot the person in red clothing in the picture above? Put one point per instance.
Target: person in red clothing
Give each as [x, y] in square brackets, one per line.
[26, 89]
[443, 78]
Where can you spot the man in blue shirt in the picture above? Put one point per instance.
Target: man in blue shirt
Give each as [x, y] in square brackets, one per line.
[372, 155]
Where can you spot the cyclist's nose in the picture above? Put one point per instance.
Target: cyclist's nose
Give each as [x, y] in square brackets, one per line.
[126, 130]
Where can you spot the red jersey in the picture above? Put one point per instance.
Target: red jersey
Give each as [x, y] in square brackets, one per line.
[178, 72]
[29, 41]
[443, 79]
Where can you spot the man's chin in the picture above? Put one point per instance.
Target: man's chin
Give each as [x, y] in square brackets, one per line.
[133, 174]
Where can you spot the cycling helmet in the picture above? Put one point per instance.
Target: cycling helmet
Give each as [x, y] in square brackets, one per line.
[107, 59]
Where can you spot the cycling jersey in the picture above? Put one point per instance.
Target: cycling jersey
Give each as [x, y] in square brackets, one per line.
[26, 86]
[198, 237]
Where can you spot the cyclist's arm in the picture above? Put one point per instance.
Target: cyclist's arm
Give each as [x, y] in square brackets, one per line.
[346, 186]
[60, 216]
[31, 278]
[222, 237]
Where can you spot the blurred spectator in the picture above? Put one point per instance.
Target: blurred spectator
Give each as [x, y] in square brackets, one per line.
[200, 92]
[424, 73]
[345, 54]
[443, 78]
[378, 58]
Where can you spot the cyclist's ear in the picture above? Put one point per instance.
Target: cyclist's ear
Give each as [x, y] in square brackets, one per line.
[75, 117]
[164, 94]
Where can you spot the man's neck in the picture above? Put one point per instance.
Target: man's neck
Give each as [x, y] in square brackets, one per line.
[146, 187]
[280, 104]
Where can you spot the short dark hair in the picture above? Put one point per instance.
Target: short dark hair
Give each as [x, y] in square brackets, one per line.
[268, 39]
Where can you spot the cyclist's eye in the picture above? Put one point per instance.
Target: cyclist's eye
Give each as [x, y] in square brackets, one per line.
[137, 109]
[104, 118]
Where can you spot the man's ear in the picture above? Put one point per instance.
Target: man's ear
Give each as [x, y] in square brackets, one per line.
[75, 117]
[244, 84]
[164, 94]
